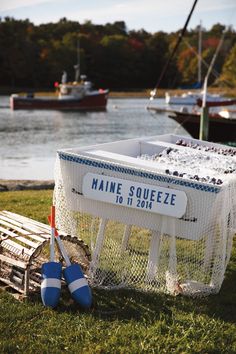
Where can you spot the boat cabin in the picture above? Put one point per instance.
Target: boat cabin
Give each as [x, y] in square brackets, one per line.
[74, 90]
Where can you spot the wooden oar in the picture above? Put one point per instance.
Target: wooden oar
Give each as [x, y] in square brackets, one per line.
[51, 272]
[74, 277]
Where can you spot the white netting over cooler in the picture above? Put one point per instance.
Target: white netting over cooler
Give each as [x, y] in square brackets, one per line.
[133, 245]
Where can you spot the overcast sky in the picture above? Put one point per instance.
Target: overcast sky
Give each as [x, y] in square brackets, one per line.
[151, 15]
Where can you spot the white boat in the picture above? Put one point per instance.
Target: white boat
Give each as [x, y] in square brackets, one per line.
[190, 98]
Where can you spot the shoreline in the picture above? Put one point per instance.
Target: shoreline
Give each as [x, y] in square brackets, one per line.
[7, 185]
[136, 93]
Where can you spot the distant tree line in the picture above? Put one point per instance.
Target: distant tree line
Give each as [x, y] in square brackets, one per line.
[110, 55]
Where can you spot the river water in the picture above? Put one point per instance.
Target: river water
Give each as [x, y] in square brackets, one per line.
[30, 139]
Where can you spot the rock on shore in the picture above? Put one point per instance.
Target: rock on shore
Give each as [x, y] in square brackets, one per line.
[19, 185]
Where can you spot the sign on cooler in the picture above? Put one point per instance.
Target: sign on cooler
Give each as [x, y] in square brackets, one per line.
[156, 199]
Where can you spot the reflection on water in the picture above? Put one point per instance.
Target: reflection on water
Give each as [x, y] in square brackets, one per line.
[30, 139]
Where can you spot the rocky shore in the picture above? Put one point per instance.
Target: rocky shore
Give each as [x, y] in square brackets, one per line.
[19, 185]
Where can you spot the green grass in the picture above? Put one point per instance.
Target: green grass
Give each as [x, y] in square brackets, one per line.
[120, 321]
[33, 204]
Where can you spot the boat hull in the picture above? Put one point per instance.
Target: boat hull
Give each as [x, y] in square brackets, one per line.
[95, 102]
[220, 129]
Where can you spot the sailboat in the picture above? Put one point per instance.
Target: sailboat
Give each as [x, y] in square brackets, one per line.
[220, 124]
[190, 98]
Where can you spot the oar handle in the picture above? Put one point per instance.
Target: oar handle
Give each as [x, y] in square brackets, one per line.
[53, 222]
[52, 240]
[54, 235]
[63, 251]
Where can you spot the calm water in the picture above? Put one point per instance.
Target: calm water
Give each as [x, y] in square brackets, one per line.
[30, 139]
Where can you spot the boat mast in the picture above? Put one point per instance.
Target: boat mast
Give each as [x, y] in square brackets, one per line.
[153, 92]
[77, 66]
[200, 54]
[204, 120]
[211, 67]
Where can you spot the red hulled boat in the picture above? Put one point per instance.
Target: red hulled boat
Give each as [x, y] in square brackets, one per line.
[77, 95]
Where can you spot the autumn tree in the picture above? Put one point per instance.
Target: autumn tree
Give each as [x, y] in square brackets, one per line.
[110, 55]
[228, 76]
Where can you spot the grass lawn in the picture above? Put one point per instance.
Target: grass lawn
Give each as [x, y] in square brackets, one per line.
[120, 321]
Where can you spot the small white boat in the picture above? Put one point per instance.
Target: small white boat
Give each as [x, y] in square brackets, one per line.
[190, 98]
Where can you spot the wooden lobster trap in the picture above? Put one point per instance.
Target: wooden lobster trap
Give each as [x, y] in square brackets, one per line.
[24, 247]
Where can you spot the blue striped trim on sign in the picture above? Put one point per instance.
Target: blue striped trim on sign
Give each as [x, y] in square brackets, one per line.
[136, 172]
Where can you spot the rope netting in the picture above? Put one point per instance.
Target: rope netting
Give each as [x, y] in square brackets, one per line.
[136, 248]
